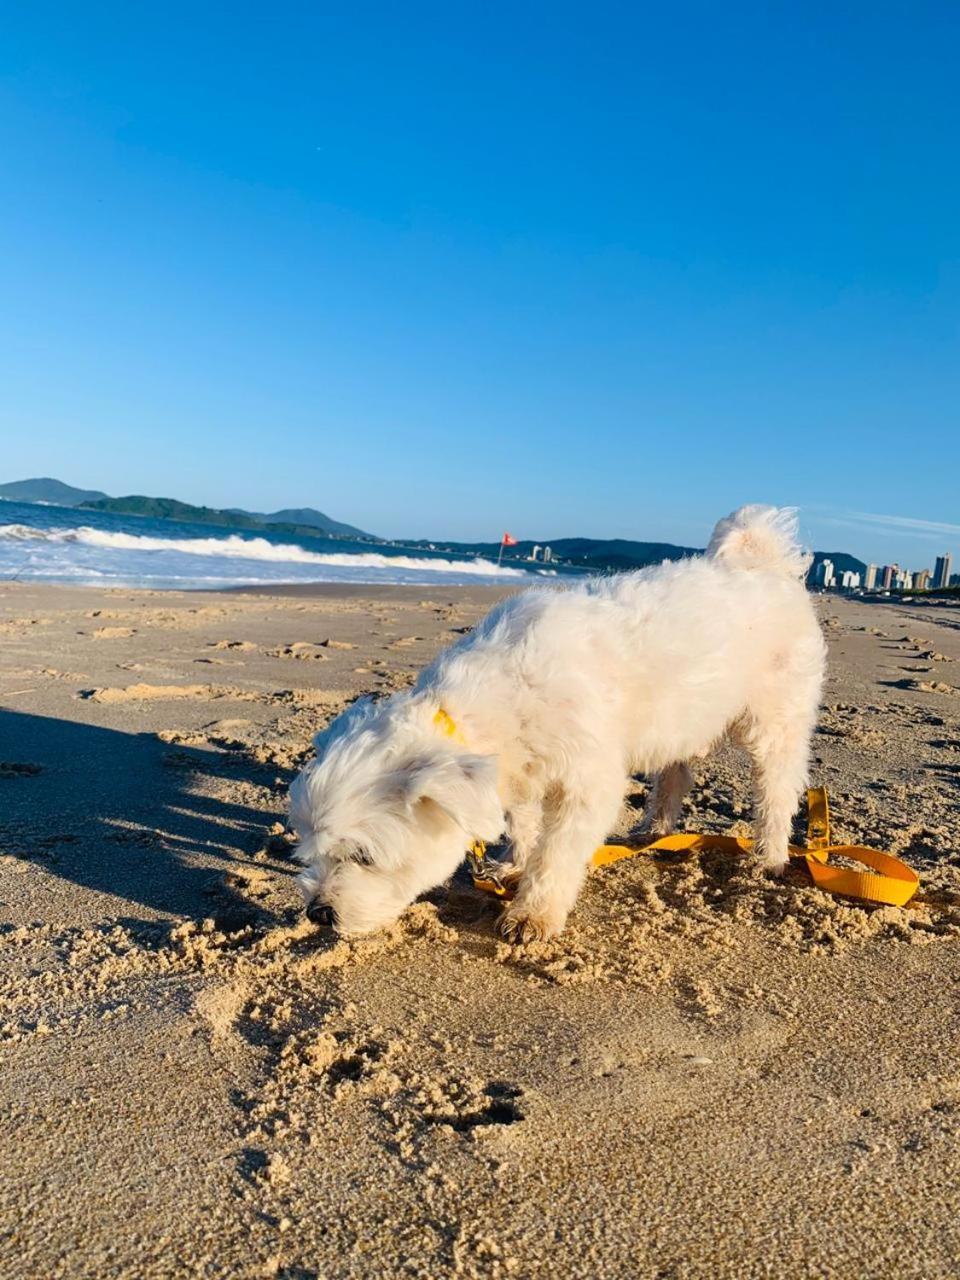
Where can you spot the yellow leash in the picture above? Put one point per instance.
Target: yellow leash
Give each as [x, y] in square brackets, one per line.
[889, 881]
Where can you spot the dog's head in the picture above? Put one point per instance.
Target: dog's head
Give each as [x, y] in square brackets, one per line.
[385, 812]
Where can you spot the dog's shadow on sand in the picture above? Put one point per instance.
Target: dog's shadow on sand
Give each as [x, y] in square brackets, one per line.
[113, 812]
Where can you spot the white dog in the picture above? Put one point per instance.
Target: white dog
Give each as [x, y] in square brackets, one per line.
[534, 722]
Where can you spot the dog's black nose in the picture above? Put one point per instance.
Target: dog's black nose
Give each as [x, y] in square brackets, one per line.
[321, 913]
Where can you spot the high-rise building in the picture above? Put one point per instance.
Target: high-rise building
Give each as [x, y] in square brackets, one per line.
[849, 580]
[547, 554]
[941, 574]
[535, 551]
[889, 573]
[921, 580]
[870, 577]
[824, 576]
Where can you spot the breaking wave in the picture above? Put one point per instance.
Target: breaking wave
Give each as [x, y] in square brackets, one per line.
[86, 539]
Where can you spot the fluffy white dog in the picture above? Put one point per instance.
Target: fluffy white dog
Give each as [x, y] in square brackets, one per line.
[545, 710]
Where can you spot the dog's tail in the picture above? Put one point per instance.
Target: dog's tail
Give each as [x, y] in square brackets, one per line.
[757, 537]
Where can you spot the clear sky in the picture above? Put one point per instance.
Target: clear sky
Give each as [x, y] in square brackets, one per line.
[445, 269]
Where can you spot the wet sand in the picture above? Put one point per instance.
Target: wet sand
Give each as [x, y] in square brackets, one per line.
[710, 1074]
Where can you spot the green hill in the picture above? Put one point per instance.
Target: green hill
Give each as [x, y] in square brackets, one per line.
[307, 518]
[136, 504]
[45, 489]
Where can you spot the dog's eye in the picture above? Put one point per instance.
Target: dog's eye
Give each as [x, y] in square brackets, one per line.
[360, 856]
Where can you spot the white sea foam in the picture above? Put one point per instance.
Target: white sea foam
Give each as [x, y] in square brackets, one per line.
[235, 547]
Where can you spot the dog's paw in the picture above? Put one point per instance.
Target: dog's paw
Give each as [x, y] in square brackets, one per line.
[774, 866]
[652, 826]
[519, 927]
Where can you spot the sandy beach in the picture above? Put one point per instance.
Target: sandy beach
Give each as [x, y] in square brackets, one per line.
[711, 1074]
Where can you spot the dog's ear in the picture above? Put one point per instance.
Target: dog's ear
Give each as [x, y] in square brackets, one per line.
[463, 786]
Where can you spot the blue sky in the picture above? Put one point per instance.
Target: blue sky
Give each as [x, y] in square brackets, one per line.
[443, 269]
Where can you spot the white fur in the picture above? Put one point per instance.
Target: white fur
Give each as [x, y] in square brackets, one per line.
[559, 696]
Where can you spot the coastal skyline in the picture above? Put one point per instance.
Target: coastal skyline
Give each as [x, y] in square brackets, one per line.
[614, 275]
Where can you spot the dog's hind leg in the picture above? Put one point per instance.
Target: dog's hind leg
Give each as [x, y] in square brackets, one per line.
[662, 810]
[576, 818]
[780, 749]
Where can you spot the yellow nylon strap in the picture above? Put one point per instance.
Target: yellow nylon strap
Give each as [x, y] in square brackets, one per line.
[891, 881]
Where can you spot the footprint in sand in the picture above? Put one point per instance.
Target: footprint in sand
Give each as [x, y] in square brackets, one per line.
[240, 646]
[156, 692]
[13, 625]
[301, 698]
[228, 735]
[926, 686]
[302, 650]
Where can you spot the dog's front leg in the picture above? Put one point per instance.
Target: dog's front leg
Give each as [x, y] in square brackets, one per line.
[575, 821]
[524, 822]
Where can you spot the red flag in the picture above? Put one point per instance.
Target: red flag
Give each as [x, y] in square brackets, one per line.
[508, 540]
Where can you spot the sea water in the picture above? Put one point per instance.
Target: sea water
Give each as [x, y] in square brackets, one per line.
[68, 544]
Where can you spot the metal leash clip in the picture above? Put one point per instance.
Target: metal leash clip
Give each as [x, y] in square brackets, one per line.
[485, 871]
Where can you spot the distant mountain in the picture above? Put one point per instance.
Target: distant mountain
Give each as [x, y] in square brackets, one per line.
[307, 517]
[136, 504]
[305, 520]
[45, 489]
[589, 553]
[619, 555]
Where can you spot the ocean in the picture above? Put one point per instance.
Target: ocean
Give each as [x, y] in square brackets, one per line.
[41, 543]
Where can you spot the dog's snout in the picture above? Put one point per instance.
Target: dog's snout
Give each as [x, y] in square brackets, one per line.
[321, 913]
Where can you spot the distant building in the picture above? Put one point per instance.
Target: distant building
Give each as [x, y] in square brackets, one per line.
[825, 576]
[535, 551]
[870, 577]
[547, 554]
[921, 580]
[941, 574]
[955, 579]
[890, 571]
[849, 580]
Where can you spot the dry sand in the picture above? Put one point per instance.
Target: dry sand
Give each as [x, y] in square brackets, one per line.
[710, 1074]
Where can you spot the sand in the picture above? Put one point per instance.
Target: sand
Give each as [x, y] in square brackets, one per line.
[709, 1075]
